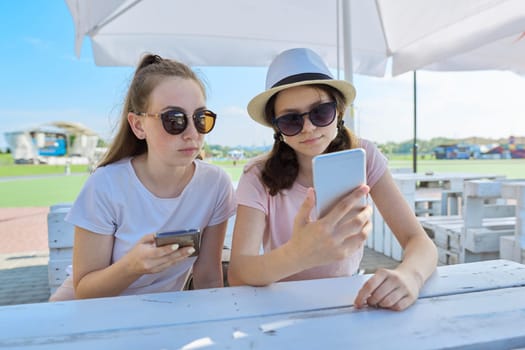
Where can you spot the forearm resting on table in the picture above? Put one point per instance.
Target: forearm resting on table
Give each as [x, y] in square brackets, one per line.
[107, 282]
[420, 258]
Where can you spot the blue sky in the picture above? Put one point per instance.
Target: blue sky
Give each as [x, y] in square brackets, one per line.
[43, 81]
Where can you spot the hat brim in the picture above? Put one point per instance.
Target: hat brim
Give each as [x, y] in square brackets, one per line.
[257, 105]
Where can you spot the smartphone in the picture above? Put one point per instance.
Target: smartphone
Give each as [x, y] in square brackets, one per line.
[184, 238]
[335, 175]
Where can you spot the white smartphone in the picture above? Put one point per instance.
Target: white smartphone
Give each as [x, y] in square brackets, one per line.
[336, 174]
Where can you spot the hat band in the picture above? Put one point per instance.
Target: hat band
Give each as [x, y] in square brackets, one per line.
[302, 77]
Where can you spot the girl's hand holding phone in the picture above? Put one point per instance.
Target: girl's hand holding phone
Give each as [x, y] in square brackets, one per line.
[146, 258]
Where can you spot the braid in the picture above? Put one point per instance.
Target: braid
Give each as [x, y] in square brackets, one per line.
[341, 141]
[281, 169]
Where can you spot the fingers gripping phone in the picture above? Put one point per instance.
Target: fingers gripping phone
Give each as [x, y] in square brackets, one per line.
[184, 238]
[337, 174]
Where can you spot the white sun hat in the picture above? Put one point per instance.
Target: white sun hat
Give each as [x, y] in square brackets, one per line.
[295, 67]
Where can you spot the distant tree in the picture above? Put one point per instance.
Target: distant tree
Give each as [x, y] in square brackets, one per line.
[251, 153]
[426, 147]
[207, 150]
[102, 143]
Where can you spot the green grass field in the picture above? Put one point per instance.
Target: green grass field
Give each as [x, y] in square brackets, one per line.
[40, 192]
[8, 168]
[45, 191]
[512, 168]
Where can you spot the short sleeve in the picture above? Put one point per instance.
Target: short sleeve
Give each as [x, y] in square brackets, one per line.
[376, 162]
[93, 209]
[225, 201]
[251, 192]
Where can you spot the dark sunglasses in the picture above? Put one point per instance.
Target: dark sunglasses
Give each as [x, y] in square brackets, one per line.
[292, 124]
[175, 121]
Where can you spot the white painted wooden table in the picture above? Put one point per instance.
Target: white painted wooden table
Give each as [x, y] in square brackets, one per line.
[477, 305]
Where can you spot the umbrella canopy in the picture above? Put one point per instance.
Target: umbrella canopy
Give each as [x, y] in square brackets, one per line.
[502, 54]
[360, 36]
[413, 33]
[505, 54]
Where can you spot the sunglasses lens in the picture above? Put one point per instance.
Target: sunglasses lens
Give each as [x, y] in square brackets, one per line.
[204, 121]
[290, 124]
[174, 122]
[323, 115]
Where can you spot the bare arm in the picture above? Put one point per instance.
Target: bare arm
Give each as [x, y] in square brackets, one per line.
[94, 275]
[246, 265]
[207, 270]
[399, 288]
[313, 243]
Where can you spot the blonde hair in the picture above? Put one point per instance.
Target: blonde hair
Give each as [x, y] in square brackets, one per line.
[151, 71]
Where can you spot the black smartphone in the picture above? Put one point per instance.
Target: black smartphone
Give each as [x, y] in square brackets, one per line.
[184, 238]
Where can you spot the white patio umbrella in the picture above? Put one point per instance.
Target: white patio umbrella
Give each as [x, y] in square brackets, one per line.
[503, 54]
[415, 33]
[357, 35]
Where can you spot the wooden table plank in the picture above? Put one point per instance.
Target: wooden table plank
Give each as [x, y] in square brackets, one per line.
[488, 319]
[110, 317]
[476, 276]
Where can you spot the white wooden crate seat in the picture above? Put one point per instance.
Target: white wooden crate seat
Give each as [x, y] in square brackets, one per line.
[483, 240]
[60, 241]
[513, 247]
[429, 194]
[475, 235]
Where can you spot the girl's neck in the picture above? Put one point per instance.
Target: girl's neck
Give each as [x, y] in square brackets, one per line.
[305, 175]
[162, 181]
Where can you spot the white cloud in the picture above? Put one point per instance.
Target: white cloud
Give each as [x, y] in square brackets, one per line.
[37, 43]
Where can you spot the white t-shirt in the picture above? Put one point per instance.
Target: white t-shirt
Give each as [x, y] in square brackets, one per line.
[113, 201]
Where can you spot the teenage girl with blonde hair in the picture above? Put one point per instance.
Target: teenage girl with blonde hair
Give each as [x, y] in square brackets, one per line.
[151, 181]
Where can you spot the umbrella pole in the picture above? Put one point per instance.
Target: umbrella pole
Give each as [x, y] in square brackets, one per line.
[414, 145]
[347, 56]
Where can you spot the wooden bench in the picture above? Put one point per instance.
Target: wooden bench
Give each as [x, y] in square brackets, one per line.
[475, 235]
[381, 239]
[60, 240]
[513, 247]
[428, 195]
[451, 202]
[427, 206]
[447, 233]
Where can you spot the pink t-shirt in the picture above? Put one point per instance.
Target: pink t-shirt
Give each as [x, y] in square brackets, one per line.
[281, 209]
